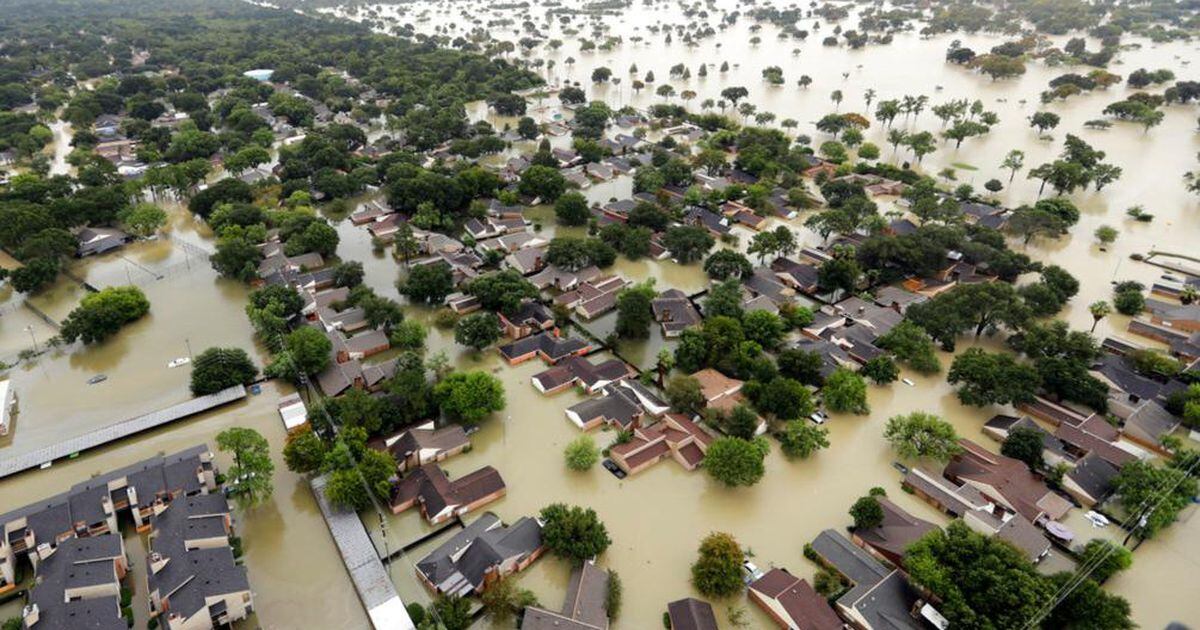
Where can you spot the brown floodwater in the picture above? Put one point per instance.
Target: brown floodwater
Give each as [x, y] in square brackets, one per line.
[656, 518]
[1153, 164]
[191, 309]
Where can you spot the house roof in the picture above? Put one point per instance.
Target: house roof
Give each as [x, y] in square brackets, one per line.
[447, 438]
[1091, 443]
[896, 532]
[1149, 422]
[805, 608]
[691, 614]
[430, 485]
[1116, 371]
[1010, 478]
[74, 565]
[457, 566]
[714, 384]
[194, 574]
[849, 560]
[554, 348]
[617, 404]
[1094, 475]
[887, 604]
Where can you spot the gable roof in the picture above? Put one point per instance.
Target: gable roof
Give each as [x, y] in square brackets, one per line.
[805, 608]
[896, 532]
[1009, 478]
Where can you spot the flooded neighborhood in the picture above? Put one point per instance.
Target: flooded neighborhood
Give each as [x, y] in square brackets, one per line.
[599, 314]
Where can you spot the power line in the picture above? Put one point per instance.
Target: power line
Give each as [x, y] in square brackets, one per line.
[1134, 520]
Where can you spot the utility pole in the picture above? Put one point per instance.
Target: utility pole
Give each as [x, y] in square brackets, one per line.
[188, 343]
[29, 329]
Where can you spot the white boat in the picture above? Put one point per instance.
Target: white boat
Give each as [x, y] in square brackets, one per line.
[174, 363]
[1096, 519]
[907, 382]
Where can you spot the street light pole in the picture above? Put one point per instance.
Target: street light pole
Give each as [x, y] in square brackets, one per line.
[29, 329]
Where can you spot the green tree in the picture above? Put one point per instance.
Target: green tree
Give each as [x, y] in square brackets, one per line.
[304, 451]
[980, 307]
[100, 315]
[305, 352]
[142, 220]
[1099, 310]
[1088, 606]
[867, 513]
[634, 311]
[469, 396]
[216, 369]
[427, 284]
[782, 398]
[717, 571]
[801, 438]
[572, 209]
[236, 257]
[982, 582]
[684, 394]
[1107, 558]
[764, 328]
[252, 467]
[573, 533]
[881, 370]
[453, 612]
[922, 435]
[503, 600]
[687, 243]
[724, 264]
[503, 291]
[845, 391]
[1026, 445]
[1155, 493]
[542, 182]
[724, 300]
[477, 330]
[736, 462]
[992, 378]
[581, 453]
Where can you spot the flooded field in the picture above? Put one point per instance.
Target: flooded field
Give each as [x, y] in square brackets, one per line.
[191, 309]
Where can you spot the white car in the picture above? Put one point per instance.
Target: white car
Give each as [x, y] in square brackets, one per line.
[818, 417]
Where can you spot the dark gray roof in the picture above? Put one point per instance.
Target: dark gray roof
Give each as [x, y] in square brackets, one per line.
[851, 561]
[886, 606]
[458, 565]
[1122, 376]
[1094, 476]
[193, 575]
[78, 563]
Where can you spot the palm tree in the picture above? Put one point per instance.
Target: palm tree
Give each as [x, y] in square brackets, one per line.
[836, 97]
[896, 137]
[1013, 162]
[869, 96]
[1098, 310]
